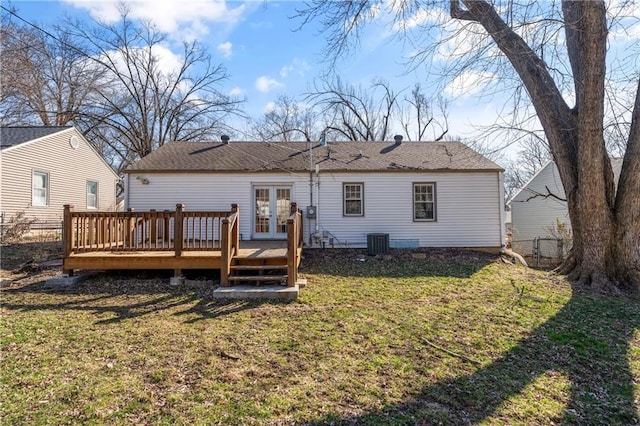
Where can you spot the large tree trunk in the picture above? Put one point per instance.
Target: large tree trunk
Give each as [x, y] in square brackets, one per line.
[606, 227]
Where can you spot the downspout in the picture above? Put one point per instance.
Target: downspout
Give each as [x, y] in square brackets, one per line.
[126, 192]
[503, 237]
[310, 188]
[317, 197]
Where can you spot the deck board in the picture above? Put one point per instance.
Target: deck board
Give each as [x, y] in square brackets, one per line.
[260, 251]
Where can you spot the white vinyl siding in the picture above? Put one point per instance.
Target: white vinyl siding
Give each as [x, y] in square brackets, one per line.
[468, 203]
[68, 171]
[353, 199]
[533, 215]
[424, 202]
[40, 189]
[92, 195]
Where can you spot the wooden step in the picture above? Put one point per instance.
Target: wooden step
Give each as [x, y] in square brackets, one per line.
[257, 267]
[257, 277]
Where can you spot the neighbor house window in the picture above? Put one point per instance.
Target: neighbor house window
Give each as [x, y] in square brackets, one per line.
[40, 189]
[353, 199]
[92, 194]
[424, 201]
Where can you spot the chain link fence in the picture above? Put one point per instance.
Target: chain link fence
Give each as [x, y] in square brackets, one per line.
[543, 252]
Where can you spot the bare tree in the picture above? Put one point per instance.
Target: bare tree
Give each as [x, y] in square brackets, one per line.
[417, 116]
[288, 120]
[553, 48]
[355, 113]
[531, 158]
[45, 80]
[152, 96]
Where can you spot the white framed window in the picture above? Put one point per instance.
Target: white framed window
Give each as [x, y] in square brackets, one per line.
[40, 189]
[424, 202]
[92, 194]
[353, 197]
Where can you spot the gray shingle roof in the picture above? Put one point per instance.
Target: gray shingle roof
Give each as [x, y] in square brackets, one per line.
[294, 156]
[11, 136]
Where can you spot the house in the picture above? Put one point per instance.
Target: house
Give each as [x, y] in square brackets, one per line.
[419, 194]
[538, 211]
[44, 168]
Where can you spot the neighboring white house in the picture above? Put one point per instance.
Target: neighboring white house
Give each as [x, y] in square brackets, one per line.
[44, 168]
[438, 194]
[536, 214]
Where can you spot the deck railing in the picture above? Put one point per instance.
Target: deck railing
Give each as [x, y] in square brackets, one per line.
[230, 243]
[176, 231]
[294, 242]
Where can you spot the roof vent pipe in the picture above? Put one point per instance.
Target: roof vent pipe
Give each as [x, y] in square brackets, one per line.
[398, 139]
[225, 139]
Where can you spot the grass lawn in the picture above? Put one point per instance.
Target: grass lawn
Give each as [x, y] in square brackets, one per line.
[443, 337]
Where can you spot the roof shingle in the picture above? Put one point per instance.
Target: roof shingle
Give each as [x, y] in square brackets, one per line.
[12, 136]
[294, 156]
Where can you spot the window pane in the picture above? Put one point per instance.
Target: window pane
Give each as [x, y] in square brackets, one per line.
[39, 190]
[424, 211]
[353, 207]
[353, 199]
[424, 202]
[92, 195]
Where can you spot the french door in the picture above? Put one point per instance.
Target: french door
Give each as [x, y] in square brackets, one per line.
[272, 204]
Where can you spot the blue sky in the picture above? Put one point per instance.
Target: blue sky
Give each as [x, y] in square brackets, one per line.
[267, 56]
[263, 50]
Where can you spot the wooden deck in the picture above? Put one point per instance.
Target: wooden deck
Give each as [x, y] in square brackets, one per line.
[256, 252]
[146, 240]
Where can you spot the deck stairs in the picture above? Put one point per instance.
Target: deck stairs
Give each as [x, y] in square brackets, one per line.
[259, 271]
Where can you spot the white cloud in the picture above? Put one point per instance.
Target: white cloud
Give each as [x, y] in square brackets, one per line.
[237, 91]
[300, 66]
[167, 61]
[270, 106]
[431, 15]
[225, 49]
[469, 83]
[266, 84]
[184, 20]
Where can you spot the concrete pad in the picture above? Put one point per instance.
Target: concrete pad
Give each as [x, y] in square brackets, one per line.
[66, 280]
[177, 280]
[246, 292]
[301, 283]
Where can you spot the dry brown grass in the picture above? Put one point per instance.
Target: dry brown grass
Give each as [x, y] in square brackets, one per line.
[359, 346]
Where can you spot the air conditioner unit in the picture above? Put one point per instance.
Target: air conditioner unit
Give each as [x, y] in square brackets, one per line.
[377, 244]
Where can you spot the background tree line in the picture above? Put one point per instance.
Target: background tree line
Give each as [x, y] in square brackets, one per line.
[129, 95]
[552, 58]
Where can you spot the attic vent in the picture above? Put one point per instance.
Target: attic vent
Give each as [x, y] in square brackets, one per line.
[398, 139]
[225, 139]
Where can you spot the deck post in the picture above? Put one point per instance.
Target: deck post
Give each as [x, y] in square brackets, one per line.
[153, 237]
[130, 226]
[178, 233]
[224, 253]
[165, 228]
[292, 252]
[235, 231]
[67, 235]
[294, 210]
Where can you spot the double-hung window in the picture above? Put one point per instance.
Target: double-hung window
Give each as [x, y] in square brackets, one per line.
[40, 189]
[424, 201]
[92, 194]
[353, 197]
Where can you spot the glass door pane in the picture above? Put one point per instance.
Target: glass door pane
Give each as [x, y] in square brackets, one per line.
[263, 211]
[283, 207]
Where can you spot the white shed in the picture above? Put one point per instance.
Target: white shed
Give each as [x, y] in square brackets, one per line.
[420, 194]
[536, 214]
